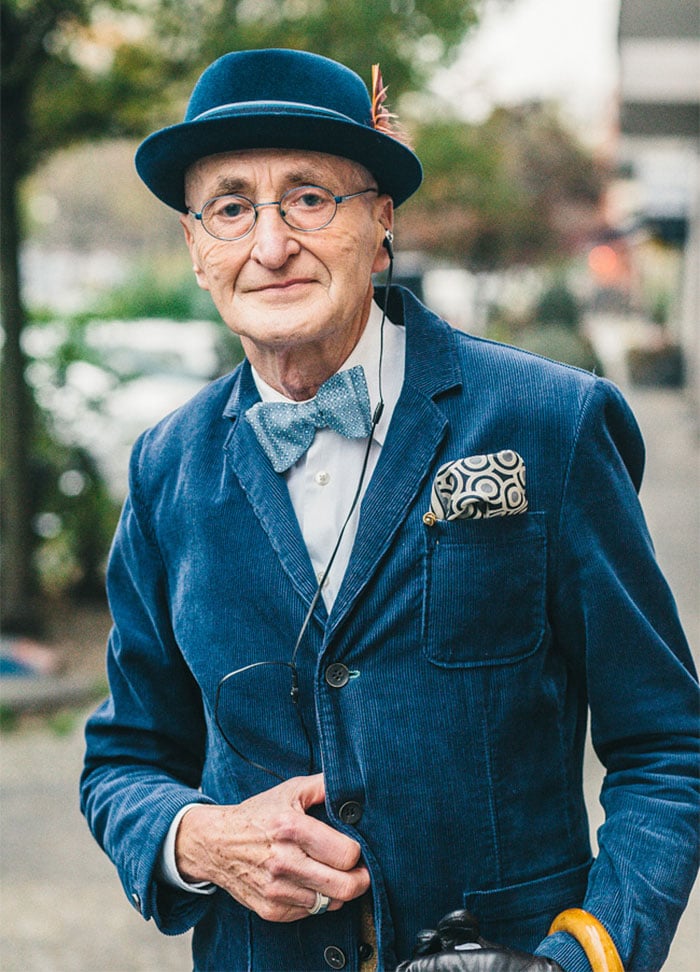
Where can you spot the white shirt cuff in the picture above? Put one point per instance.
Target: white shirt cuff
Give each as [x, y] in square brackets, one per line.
[167, 869]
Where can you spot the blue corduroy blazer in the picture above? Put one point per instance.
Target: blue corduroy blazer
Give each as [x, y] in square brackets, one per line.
[477, 647]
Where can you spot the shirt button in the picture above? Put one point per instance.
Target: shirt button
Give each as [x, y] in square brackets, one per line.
[335, 957]
[337, 675]
[322, 478]
[350, 812]
[365, 951]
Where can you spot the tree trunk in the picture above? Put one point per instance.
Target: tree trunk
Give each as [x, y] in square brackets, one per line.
[16, 402]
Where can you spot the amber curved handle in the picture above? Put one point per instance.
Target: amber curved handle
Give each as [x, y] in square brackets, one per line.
[592, 937]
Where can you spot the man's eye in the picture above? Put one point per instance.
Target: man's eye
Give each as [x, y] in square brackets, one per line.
[227, 208]
[309, 200]
[231, 210]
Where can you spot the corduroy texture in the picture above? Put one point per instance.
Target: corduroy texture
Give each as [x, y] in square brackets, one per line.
[477, 643]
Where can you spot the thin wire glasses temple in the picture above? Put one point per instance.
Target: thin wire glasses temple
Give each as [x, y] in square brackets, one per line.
[304, 208]
[241, 678]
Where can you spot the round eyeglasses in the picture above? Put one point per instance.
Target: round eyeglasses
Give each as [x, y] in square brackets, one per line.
[304, 208]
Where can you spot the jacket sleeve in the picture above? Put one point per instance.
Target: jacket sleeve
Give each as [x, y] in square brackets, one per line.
[615, 618]
[145, 744]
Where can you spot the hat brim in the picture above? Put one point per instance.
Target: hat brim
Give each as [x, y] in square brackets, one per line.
[164, 157]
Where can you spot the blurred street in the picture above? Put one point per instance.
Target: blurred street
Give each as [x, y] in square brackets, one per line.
[62, 907]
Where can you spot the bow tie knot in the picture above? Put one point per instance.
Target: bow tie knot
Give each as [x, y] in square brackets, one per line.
[285, 430]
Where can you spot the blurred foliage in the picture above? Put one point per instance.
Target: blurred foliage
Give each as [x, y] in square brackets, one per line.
[550, 327]
[75, 510]
[75, 517]
[515, 189]
[88, 70]
[558, 306]
[561, 344]
[159, 291]
[150, 293]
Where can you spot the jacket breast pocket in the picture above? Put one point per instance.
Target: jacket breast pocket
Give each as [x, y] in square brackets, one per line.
[484, 590]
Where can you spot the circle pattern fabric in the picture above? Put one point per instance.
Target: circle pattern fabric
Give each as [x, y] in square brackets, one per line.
[480, 486]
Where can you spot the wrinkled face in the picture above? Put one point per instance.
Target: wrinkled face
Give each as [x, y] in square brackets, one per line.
[281, 289]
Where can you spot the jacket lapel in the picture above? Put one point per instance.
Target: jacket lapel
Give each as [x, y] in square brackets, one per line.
[417, 428]
[267, 491]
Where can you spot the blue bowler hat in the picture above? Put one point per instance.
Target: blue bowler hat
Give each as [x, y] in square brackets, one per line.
[276, 99]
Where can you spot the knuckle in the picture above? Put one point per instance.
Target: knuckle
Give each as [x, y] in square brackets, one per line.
[349, 855]
[347, 888]
[268, 911]
[284, 828]
[277, 866]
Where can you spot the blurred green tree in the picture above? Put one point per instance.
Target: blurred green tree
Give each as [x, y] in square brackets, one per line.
[76, 70]
[517, 189]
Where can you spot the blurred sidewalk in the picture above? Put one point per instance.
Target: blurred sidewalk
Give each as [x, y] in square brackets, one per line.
[670, 493]
[62, 908]
[670, 496]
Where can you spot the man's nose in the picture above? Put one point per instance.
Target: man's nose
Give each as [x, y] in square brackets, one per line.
[274, 241]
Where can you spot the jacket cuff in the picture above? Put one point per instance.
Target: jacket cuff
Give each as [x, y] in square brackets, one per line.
[565, 950]
[174, 910]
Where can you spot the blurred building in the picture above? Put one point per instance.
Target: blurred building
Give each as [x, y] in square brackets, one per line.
[659, 148]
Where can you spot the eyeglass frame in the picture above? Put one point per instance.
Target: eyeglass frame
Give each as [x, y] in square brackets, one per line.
[294, 694]
[256, 206]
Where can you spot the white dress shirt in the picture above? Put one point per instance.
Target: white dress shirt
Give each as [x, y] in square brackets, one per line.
[322, 484]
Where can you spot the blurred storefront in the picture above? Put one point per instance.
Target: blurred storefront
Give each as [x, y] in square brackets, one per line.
[659, 159]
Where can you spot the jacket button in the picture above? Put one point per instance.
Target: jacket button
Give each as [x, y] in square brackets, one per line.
[350, 812]
[335, 957]
[136, 901]
[365, 951]
[337, 675]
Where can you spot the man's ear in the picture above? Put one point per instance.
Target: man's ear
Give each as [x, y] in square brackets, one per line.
[385, 218]
[189, 240]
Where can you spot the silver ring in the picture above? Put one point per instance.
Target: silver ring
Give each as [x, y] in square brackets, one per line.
[320, 904]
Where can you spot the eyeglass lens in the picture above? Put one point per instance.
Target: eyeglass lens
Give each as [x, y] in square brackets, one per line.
[261, 722]
[302, 208]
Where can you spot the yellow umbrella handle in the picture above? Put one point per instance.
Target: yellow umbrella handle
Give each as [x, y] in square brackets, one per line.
[592, 937]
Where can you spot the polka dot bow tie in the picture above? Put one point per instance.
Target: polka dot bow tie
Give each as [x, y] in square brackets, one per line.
[285, 430]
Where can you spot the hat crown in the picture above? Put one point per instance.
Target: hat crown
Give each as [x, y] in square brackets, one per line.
[283, 77]
[276, 99]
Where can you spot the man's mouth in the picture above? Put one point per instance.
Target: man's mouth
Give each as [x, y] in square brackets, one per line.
[283, 285]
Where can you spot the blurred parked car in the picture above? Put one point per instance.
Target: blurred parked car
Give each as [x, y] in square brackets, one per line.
[101, 383]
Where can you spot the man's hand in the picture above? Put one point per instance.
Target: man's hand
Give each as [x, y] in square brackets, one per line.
[269, 854]
[456, 946]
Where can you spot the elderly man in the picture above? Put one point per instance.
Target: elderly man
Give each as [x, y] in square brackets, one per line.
[366, 588]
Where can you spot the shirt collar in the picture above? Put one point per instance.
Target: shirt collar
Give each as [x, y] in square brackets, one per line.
[366, 353]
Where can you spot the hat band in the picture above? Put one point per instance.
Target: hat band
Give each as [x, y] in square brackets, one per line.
[273, 108]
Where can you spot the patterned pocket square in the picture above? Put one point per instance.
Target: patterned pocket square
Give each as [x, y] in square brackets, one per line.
[479, 487]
